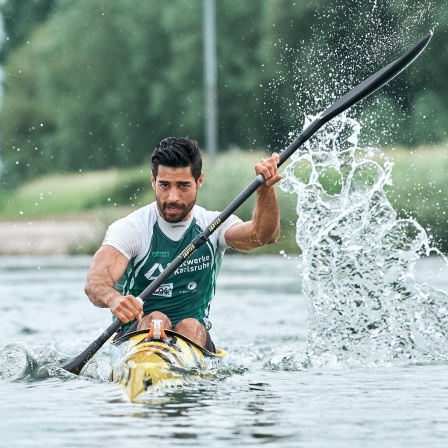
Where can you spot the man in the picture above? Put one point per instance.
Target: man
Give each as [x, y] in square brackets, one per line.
[139, 247]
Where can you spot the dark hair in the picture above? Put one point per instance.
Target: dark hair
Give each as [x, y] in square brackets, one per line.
[177, 152]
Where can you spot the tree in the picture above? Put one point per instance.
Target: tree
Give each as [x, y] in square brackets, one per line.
[20, 19]
[97, 84]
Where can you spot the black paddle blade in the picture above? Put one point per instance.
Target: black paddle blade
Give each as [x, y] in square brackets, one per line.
[75, 365]
[361, 91]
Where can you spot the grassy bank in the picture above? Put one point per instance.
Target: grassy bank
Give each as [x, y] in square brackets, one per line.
[108, 195]
[419, 189]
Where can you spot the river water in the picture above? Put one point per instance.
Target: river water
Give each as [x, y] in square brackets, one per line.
[345, 346]
[268, 392]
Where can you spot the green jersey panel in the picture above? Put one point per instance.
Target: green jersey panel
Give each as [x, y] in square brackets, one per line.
[190, 289]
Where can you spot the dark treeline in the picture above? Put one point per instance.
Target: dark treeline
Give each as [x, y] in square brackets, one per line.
[96, 84]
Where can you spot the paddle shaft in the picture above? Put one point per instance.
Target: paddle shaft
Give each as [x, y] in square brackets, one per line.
[352, 97]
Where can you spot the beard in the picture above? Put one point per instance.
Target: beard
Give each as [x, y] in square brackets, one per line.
[173, 213]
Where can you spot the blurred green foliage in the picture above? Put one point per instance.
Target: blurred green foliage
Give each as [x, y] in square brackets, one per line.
[418, 191]
[110, 194]
[96, 84]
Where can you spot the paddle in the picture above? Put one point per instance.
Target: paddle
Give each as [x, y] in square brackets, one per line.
[364, 89]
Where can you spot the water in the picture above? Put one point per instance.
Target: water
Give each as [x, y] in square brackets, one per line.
[355, 355]
[366, 307]
[268, 395]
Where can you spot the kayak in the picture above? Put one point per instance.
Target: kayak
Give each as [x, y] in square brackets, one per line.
[144, 362]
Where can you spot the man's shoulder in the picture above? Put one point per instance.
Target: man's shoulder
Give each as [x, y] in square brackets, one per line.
[203, 215]
[144, 213]
[140, 219]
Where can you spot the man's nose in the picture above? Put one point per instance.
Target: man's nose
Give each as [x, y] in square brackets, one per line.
[173, 195]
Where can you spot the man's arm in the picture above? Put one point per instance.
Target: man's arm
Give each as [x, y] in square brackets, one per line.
[265, 225]
[108, 265]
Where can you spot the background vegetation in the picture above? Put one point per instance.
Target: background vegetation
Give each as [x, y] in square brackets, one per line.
[418, 191]
[90, 87]
[96, 84]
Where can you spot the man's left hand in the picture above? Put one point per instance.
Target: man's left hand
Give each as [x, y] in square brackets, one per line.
[268, 167]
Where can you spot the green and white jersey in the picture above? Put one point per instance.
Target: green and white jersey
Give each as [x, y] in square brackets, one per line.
[151, 244]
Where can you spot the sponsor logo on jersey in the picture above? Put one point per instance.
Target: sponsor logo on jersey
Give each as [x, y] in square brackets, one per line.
[155, 271]
[165, 290]
[192, 286]
[194, 265]
[160, 253]
[188, 266]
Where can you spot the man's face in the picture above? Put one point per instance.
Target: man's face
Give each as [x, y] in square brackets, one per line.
[176, 191]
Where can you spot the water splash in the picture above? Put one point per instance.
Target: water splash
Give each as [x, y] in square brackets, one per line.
[349, 42]
[365, 305]
[287, 359]
[19, 361]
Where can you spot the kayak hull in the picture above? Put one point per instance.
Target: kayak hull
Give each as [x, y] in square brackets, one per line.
[142, 364]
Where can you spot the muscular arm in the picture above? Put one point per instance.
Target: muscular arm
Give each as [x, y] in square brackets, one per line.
[107, 267]
[264, 227]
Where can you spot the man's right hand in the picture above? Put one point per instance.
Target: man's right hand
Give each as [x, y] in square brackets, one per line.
[107, 267]
[125, 308]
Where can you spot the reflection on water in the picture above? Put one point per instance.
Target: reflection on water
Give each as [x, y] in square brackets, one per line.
[180, 413]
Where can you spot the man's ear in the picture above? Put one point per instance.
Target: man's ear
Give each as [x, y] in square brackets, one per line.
[153, 181]
[200, 180]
